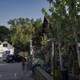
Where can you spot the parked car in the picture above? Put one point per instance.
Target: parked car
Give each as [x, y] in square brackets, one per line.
[10, 59]
[13, 58]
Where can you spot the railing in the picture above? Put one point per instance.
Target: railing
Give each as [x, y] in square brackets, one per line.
[40, 74]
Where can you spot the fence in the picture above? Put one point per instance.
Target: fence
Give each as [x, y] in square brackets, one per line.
[40, 74]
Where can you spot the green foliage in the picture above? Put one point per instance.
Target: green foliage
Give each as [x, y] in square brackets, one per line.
[64, 19]
[4, 33]
[57, 74]
[37, 35]
[22, 30]
[64, 22]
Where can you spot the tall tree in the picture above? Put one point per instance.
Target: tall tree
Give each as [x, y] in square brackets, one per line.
[64, 23]
[21, 32]
[4, 33]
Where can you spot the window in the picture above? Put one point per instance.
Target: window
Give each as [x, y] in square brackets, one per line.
[5, 45]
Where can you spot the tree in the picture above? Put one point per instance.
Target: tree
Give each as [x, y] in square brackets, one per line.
[4, 33]
[64, 24]
[37, 35]
[21, 32]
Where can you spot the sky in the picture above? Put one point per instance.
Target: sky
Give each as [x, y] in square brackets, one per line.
[10, 9]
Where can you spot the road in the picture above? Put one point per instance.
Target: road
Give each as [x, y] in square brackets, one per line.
[13, 71]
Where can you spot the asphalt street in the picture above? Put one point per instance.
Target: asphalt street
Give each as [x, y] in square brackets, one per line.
[13, 71]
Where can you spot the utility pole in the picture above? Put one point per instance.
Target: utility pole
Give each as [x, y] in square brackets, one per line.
[31, 50]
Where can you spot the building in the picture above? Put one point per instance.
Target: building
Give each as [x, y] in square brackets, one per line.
[6, 48]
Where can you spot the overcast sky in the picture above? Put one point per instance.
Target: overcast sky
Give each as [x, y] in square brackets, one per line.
[10, 9]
